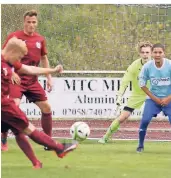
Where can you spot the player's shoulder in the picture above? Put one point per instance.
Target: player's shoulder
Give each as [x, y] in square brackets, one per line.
[36, 34]
[149, 63]
[168, 61]
[135, 63]
[16, 33]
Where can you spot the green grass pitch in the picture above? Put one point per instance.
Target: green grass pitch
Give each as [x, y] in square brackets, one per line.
[117, 159]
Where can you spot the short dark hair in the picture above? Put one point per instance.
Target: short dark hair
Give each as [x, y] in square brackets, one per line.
[30, 13]
[158, 45]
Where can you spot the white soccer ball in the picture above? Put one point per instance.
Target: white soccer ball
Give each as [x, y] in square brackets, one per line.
[80, 131]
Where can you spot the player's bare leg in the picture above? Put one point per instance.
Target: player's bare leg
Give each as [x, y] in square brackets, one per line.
[17, 101]
[115, 126]
[46, 119]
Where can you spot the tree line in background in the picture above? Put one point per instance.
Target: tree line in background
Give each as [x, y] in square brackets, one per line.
[94, 37]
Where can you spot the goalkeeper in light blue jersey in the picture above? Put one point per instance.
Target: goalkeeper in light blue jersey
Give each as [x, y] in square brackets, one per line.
[137, 97]
[158, 72]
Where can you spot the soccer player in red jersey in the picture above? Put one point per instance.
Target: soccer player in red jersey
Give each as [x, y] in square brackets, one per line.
[29, 85]
[12, 116]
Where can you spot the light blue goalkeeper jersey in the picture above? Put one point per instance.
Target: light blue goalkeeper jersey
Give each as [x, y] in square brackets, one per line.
[160, 78]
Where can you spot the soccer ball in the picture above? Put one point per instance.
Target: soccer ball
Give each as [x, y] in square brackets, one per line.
[79, 131]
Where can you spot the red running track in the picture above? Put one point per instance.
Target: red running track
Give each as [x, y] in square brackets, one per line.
[157, 130]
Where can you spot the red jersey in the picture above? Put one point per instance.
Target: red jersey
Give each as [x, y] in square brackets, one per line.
[6, 74]
[36, 45]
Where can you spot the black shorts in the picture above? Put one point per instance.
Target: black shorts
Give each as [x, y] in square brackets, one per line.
[126, 108]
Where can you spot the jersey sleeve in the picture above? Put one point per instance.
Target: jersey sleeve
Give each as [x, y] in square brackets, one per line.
[128, 76]
[17, 65]
[143, 76]
[44, 48]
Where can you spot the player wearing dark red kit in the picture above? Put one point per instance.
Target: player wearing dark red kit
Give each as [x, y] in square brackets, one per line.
[12, 116]
[29, 85]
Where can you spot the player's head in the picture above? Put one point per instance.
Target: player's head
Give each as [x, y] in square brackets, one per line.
[158, 52]
[30, 22]
[14, 50]
[145, 49]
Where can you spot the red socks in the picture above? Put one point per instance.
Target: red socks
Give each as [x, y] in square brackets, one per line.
[26, 148]
[46, 122]
[43, 139]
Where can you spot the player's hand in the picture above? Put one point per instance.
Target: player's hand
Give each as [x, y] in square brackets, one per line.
[165, 101]
[158, 101]
[15, 79]
[59, 68]
[118, 100]
[49, 84]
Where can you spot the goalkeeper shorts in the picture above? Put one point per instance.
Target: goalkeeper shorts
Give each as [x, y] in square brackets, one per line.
[136, 101]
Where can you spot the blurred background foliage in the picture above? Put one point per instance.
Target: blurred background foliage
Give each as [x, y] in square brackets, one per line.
[94, 37]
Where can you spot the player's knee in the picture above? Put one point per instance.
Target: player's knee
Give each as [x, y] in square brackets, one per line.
[46, 108]
[124, 116]
[121, 119]
[17, 101]
[29, 129]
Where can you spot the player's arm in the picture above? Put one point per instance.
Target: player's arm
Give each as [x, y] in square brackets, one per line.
[32, 70]
[162, 101]
[45, 63]
[143, 78]
[15, 78]
[128, 76]
[154, 98]
[167, 100]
